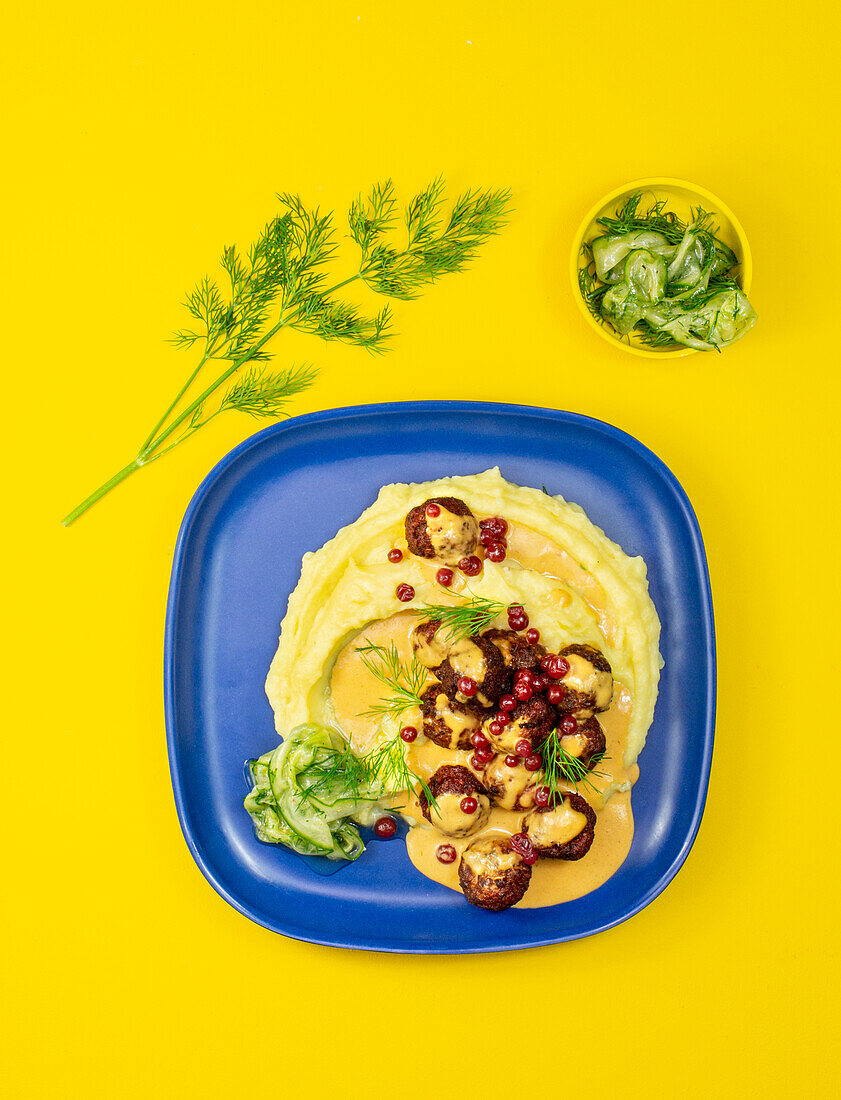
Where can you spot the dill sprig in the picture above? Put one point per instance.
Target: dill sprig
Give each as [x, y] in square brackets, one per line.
[435, 245]
[405, 681]
[560, 766]
[282, 282]
[463, 620]
[388, 766]
[629, 217]
[366, 778]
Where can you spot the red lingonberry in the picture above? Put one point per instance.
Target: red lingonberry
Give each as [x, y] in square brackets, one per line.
[471, 566]
[523, 846]
[385, 827]
[467, 686]
[541, 796]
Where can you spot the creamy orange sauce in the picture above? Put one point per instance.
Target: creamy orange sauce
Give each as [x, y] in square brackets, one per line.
[353, 690]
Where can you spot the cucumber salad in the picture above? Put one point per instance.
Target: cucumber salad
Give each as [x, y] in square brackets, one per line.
[668, 282]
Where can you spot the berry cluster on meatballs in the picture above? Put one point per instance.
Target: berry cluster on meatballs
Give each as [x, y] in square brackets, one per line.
[501, 695]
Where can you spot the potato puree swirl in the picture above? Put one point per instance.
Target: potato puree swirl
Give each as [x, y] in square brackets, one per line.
[576, 585]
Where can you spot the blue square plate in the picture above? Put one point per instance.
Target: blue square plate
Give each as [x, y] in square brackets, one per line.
[287, 490]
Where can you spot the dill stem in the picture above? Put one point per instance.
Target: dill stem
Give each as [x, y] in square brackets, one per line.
[191, 408]
[80, 509]
[178, 397]
[150, 449]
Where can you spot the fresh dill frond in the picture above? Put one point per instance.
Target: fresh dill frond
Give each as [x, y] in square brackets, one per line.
[559, 766]
[339, 767]
[259, 392]
[661, 341]
[404, 680]
[387, 765]
[629, 217]
[282, 282]
[463, 620]
[435, 246]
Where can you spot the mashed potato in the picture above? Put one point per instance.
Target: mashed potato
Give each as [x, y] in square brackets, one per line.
[576, 584]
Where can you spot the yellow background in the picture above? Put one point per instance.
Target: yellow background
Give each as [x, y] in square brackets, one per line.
[139, 140]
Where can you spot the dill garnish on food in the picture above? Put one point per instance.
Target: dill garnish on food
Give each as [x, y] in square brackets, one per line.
[463, 620]
[405, 681]
[282, 282]
[559, 766]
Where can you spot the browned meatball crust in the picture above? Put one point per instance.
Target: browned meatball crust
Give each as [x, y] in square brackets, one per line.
[489, 686]
[587, 743]
[587, 664]
[538, 826]
[450, 784]
[429, 649]
[449, 660]
[492, 875]
[516, 651]
[449, 723]
[533, 720]
[417, 530]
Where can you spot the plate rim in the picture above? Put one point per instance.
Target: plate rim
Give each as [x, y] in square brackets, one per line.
[426, 406]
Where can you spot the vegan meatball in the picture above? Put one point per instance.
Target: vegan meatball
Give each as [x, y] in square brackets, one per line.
[564, 829]
[516, 651]
[492, 874]
[475, 659]
[533, 721]
[428, 645]
[588, 685]
[510, 786]
[461, 802]
[587, 742]
[442, 528]
[446, 722]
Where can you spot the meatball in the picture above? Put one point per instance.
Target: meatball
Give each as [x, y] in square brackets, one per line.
[564, 829]
[588, 742]
[446, 722]
[478, 659]
[449, 660]
[510, 788]
[461, 802]
[516, 651]
[588, 686]
[448, 535]
[428, 646]
[492, 875]
[533, 720]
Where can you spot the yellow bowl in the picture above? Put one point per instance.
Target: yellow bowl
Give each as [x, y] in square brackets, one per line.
[680, 197]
